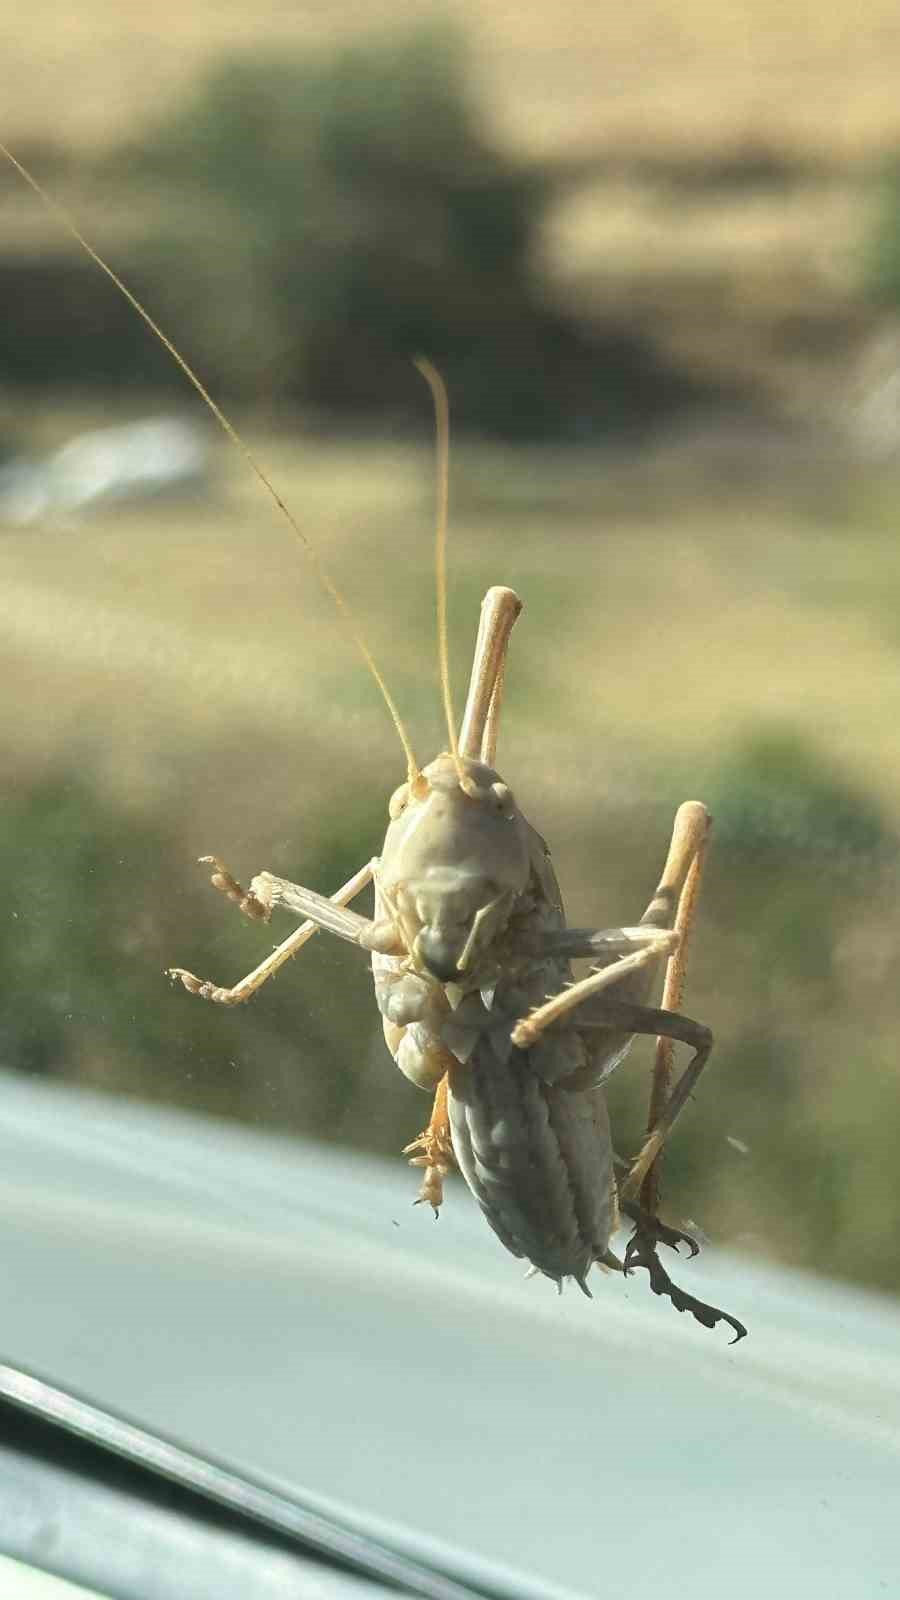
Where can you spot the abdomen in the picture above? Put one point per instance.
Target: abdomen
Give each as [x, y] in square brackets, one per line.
[538, 1159]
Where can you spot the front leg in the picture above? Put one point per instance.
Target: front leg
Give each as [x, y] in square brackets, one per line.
[267, 891]
[257, 903]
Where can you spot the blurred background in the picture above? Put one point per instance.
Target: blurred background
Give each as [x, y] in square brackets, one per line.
[656, 253]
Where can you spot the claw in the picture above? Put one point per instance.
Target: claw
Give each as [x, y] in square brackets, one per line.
[673, 1237]
[652, 1228]
[632, 1255]
[641, 1252]
[202, 987]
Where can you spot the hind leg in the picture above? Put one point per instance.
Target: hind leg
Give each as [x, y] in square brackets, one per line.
[684, 867]
[672, 1027]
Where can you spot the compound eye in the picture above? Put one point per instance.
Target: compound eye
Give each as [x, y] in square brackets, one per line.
[398, 802]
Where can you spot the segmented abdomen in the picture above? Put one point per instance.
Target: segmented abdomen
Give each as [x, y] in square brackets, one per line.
[538, 1159]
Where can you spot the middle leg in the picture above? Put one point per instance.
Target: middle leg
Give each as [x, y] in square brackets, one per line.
[673, 900]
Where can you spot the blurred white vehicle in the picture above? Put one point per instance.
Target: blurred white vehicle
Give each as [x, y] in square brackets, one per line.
[163, 455]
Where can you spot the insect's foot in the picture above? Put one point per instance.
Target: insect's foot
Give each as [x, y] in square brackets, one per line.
[202, 987]
[653, 1228]
[249, 903]
[432, 1190]
[641, 1252]
[434, 1152]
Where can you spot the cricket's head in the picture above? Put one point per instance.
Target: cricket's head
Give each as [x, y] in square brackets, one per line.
[455, 861]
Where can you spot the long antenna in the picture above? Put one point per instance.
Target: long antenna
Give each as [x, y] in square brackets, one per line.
[442, 425]
[322, 574]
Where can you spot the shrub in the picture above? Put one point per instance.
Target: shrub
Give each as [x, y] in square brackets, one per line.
[343, 214]
[776, 797]
[882, 259]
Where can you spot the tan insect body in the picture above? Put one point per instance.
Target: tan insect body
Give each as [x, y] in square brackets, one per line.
[471, 964]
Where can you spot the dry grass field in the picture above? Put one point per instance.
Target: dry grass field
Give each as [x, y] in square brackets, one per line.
[670, 610]
[176, 684]
[820, 80]
[716, 276]
[712, 617]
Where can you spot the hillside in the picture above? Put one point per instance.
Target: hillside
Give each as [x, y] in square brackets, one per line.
[714, 167]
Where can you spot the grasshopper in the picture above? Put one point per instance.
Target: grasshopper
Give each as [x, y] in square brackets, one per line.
[471, 961]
